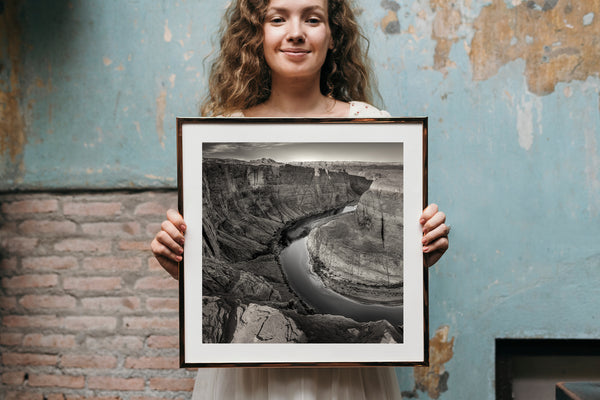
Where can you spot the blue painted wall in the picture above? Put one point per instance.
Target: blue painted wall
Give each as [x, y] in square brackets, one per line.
[89, 92]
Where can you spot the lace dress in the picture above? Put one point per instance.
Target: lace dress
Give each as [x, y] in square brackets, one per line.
[358, 383]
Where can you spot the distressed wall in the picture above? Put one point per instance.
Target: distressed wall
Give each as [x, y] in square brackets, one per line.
[89, 91]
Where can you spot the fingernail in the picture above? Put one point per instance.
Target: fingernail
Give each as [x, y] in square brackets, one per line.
[183, 227]
[425, 249]
[422, 221]
[179, 258]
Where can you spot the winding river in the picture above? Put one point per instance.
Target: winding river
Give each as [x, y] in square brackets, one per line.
[296, 265]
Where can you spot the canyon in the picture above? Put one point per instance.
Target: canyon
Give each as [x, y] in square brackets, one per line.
[247, 205]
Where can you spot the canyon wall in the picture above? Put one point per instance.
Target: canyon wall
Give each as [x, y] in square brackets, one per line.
[245, 204]
[360, 255]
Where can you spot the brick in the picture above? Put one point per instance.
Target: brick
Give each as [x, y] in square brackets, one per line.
[112, 229]
[63, 381]
[163, 342]
[153, 228]
[154, 265]
[88, 361]
[151, 208]
[30, 207]
[23, 396]
[155, 398]
[152, 362]
[11, 339]
[32, 227]
[92, 209]
[53, 263]
[85, 323]
[112, 263]
[19, 245]
[13, 378]
[31, 321]
[8, 303]
[114, 383]
[94, 284]
[54, 341]
[30, 281]
[45, 301]
[29, 359]
[156, 283]
[122, 304]
[162, 304]
[84, 246]
[150, 323]
[8, 264]
[134, 245]
[172, 384]
[55, 396]
[77, 397]
[120, 344]
[8, 229]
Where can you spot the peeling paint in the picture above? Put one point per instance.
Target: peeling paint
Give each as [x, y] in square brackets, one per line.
[445, 28]
[525, 121]
[167, 35]
[12, 120]
[107, 61]
[434, 379]
[161, 106]
[538, 25]
[390, 23]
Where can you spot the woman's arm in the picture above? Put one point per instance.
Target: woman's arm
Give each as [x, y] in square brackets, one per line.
[167, 245]
[435, 234]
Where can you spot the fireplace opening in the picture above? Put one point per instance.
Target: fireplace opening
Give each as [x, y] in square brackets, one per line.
[531, 368]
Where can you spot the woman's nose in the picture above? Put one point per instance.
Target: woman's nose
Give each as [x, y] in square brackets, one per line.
[296, 32]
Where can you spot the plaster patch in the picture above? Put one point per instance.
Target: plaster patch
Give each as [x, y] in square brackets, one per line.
[161, 106]
[167, 35]
[12, 119]
[445, 27]
[434, 378]
[588, 18]
[390, 23]
[525, 121]
[552, 53]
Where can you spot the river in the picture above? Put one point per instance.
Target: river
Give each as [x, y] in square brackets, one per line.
[296, 265]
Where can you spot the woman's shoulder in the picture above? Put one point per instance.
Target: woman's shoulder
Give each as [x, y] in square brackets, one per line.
[364, 110]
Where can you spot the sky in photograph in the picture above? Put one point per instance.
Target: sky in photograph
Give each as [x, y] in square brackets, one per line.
[322, 151]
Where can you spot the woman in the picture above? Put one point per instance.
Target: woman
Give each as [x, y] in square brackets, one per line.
[292, 58]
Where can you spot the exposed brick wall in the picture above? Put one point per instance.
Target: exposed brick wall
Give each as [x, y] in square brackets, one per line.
[86, 311]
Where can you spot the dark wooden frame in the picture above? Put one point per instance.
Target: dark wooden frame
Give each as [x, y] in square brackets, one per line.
[253, 121]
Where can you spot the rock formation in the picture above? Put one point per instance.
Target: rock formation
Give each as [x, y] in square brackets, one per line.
[360, 255]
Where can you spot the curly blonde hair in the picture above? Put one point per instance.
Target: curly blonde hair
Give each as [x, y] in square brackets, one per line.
[240, 77]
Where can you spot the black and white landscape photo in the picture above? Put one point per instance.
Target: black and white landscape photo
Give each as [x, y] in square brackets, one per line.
[302, 242]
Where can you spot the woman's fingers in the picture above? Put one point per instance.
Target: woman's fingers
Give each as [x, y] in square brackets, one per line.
[176, 219]
[438, 232]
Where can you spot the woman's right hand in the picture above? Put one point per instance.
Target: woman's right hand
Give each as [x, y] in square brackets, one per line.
[167, 245]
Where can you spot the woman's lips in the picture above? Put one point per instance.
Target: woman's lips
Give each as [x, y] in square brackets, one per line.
[295, 52]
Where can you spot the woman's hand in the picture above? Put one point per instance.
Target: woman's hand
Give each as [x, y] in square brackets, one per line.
[167, 245]
[435, 234]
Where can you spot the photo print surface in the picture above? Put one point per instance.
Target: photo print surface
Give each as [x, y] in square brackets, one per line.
[302, 242]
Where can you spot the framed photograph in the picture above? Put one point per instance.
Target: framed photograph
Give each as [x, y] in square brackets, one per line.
[303, 242]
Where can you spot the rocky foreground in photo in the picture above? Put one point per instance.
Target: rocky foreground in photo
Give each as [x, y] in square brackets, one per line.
[246, 206]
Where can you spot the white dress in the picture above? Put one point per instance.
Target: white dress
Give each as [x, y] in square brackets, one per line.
[357, 383]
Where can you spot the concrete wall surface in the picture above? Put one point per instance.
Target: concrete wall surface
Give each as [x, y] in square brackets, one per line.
[89, 92]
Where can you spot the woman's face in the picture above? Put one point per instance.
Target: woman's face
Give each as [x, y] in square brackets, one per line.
[296, 37]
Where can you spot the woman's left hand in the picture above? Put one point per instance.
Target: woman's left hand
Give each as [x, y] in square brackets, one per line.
[435, 234]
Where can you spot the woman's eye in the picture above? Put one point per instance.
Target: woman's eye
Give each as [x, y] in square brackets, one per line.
[277, 20]
[313, 20]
